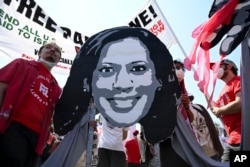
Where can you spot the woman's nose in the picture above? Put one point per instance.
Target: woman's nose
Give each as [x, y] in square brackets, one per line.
[123, 81]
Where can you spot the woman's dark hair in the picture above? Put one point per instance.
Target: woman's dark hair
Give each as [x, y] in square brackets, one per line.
[161, 118]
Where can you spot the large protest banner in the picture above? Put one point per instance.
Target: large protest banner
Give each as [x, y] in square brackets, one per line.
[25, 27]
[150, 17]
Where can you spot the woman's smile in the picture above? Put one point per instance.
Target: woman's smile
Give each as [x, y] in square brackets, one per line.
[125, 102]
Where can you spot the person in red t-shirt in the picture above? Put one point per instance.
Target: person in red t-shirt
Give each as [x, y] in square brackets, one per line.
[28, 95]
[133, 151]
[228, 106]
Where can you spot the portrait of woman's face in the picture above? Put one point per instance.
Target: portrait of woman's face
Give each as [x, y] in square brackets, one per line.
[124, 82]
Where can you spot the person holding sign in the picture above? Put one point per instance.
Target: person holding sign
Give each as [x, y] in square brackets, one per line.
[128, 72]
[228, 106]
[129, 75]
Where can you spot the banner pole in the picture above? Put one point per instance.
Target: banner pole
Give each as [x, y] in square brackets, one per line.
[172, 33]
[92, 112]
[171, 30]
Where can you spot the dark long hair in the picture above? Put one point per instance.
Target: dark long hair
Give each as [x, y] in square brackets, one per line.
[161, 117]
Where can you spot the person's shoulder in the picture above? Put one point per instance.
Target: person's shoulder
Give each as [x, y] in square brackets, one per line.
[236, 77]
[236, 80]
[18, 60]
[24, 61]
[129, 141]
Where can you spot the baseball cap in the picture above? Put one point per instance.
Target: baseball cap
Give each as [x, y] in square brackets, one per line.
[225, 61]
[178, 61]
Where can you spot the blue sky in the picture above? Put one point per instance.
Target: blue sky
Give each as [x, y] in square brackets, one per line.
[91, 16]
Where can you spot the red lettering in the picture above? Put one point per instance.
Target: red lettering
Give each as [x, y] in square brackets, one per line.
[157, 28]
[27, 57]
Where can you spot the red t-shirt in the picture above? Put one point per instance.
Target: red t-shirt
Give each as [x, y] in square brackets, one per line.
[19, 75]
[232, 122]
[35, 105]
[133, 151]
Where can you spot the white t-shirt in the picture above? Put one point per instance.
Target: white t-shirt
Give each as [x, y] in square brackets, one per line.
[111, 137]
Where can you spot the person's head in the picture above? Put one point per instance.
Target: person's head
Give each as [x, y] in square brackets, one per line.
[227, 68]
[135, 133]
[49, 54]
[179, 69]
[129, 74]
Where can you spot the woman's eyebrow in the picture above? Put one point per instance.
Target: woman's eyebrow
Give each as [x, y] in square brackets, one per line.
[108, 63]
[139, 61]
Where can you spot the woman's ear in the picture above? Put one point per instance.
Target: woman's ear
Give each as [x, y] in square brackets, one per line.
[85, 85]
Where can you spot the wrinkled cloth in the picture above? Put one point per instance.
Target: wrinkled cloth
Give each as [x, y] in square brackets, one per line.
[185, 144]
[72, 146]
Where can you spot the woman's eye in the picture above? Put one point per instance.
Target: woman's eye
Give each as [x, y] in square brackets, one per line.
[106, 69]
[138, 68]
